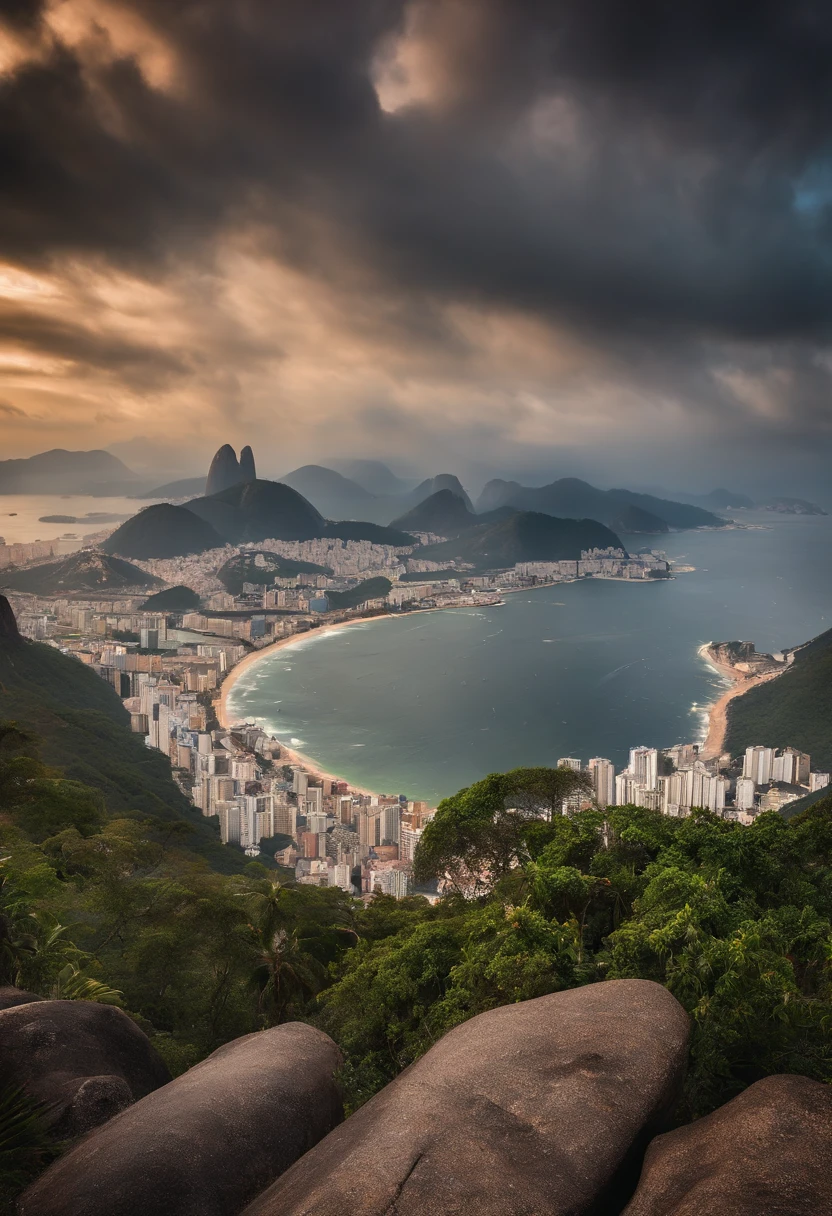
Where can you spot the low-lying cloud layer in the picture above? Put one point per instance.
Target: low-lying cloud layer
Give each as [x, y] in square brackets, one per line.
[521, 232]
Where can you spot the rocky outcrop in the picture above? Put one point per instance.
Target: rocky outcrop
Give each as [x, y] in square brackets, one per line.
[210, 1140]
[85, 1062]
[9, 997]
[9, 631]
[543, 1106]
[766, 1153]
[224, 471]
[248, 471]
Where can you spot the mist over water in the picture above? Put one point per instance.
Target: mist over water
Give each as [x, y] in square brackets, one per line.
[426, 703]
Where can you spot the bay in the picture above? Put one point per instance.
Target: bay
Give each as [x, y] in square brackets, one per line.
[424, 704]
[20, 514]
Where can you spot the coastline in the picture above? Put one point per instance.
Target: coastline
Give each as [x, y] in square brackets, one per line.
[714, 743]
[226, 719]
[313, 767]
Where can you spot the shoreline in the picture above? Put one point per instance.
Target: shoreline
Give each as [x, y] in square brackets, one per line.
[713, 745]
[226, 720]
[313, 767]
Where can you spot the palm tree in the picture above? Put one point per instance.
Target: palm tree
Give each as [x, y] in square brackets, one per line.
[284, 973]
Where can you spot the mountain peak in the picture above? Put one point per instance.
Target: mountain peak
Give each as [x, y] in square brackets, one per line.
[248, 471]
[224, 471]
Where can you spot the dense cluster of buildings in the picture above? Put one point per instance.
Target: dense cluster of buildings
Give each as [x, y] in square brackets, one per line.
[21, 554]
[676, 780]
[167, 668]
[325, 833]
[598, 563]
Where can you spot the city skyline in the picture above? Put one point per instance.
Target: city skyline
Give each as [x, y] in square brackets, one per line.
[503, 229]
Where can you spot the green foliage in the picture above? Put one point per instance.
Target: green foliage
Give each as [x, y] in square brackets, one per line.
[84, 732]
[172, 599]
[25, 1145]
[478, 835]
[370, 589]
[262, 567]
[735, 921]
[525, 536]
[795, 710]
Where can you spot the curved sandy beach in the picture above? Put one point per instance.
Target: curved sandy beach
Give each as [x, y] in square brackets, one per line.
[714, 744]
[227, 719]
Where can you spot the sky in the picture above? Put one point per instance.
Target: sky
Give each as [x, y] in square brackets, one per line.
[520, 237]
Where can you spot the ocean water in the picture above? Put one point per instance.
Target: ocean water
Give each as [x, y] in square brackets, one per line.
[20, 517]
[427, 703]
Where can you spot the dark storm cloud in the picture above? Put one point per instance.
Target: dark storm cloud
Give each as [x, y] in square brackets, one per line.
[695, 123]
[640, 173]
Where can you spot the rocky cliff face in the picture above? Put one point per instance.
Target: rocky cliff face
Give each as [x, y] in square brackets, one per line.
[247, 469]
[552, 1106]
[226, 471]
[8, 623]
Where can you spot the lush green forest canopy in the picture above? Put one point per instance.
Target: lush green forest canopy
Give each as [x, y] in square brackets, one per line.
[84, 730]
[369, 589]
[111, 903]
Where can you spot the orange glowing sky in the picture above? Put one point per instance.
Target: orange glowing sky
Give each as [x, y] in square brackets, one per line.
[479, 232]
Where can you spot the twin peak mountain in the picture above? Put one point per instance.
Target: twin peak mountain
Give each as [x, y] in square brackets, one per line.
[227, 471]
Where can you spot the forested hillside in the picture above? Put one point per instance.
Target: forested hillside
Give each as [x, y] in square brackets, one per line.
[83, 729]
[794, 710]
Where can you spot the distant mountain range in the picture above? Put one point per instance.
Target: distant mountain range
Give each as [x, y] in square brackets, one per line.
[523, 536]
[335, 494]
[61, 472]
[249, 510]
[374, 476]
[621, 510]
[87, 570]
[318, 502]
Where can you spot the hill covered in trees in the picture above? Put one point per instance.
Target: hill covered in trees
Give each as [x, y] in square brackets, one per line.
[370, 589]
[86, 570]
[172, 599]
[84, 731]
[523, 536]
[794, 710]
[261, 567]
[259, 510]
[163, 530]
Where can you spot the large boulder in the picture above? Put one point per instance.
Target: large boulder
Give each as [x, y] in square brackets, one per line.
[209, 1141]
[540, 1107]
[766, 1153]
[85, 1062]
[9, 997]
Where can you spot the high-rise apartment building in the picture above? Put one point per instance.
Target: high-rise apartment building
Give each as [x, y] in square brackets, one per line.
[602, 773]
[744, 796]
[758, 764]
[570, 762]
[644, 765]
